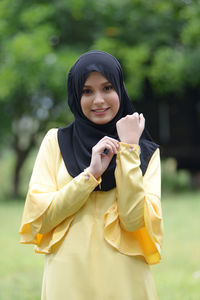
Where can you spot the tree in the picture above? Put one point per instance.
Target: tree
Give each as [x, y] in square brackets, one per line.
[156, 42]
[32, 77]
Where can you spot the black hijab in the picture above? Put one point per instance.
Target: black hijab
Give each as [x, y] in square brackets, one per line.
[77, 139]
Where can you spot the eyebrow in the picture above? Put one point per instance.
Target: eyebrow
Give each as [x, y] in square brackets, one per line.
[103, 83]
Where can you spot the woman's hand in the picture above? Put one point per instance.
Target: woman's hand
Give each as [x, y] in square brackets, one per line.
[130, 128]
[100, 160]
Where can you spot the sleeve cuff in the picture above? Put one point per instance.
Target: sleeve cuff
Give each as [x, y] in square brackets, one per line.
[129, 148]
[89, 177]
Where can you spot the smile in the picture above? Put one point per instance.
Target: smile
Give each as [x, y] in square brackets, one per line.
[100, 111]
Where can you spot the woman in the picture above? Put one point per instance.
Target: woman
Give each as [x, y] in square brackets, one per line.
[93, 205]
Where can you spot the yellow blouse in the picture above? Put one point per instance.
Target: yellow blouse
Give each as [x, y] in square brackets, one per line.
[130, 214]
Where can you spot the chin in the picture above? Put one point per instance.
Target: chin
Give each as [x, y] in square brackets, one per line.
[101, 122]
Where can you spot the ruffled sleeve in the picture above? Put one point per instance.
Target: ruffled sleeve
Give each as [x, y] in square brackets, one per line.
[49, 210]
[133, 225]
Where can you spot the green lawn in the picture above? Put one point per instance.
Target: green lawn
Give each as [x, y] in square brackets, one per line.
[20, 268]
[177, 276]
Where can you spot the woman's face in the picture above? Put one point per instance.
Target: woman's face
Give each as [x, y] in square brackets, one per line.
[99, 100]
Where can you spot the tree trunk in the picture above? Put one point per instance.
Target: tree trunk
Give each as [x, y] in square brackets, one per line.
[21, 156]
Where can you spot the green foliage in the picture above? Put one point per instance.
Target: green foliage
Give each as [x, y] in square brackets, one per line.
[135, 63]
[32, 72]
[168, 71]
[156, 42]
[36, 14]
[174, 180]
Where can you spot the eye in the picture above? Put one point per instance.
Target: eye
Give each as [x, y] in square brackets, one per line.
[86, 91]
[108, 87]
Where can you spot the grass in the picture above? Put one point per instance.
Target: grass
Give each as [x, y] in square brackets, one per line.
[177, 277]
[21, 269]
[178, 274]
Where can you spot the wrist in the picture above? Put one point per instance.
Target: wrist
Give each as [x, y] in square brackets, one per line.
[131, 141]
[95, 174]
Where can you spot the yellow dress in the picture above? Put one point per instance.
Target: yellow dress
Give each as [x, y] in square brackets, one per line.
[98, 245]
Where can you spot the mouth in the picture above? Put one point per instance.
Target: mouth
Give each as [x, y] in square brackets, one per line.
[100, 111]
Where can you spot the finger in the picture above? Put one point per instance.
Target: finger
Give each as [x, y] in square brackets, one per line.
[102, 146]
[110, 155]
[109, 139]
[142, 121]
[141, 117]
[136, 114]
[112, 145]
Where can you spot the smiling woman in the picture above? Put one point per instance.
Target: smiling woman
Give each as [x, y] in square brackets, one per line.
[93, 205]
[99, 100]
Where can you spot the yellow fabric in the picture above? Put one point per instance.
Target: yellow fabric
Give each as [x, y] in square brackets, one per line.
[104, 236]
[49, 185]
[133, 225]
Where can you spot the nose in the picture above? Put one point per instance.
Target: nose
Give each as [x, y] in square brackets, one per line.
[98, 99]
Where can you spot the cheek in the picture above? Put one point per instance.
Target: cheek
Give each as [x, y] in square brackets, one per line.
[84, 104]
[115, 102]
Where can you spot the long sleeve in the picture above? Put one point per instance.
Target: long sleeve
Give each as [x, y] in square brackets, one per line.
[130, 188]
[49, 208]
[67, 201]
[134, 225]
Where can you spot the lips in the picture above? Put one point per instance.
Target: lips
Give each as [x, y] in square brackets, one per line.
[100, 110]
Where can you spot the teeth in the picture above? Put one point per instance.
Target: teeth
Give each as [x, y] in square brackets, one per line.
[100, 110]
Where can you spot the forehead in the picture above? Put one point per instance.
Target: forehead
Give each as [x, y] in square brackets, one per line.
[96, 78]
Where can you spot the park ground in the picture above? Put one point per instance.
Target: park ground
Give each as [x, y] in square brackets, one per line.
[177, 277]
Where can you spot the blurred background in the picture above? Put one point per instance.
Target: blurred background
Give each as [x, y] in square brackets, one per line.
[158, 45]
